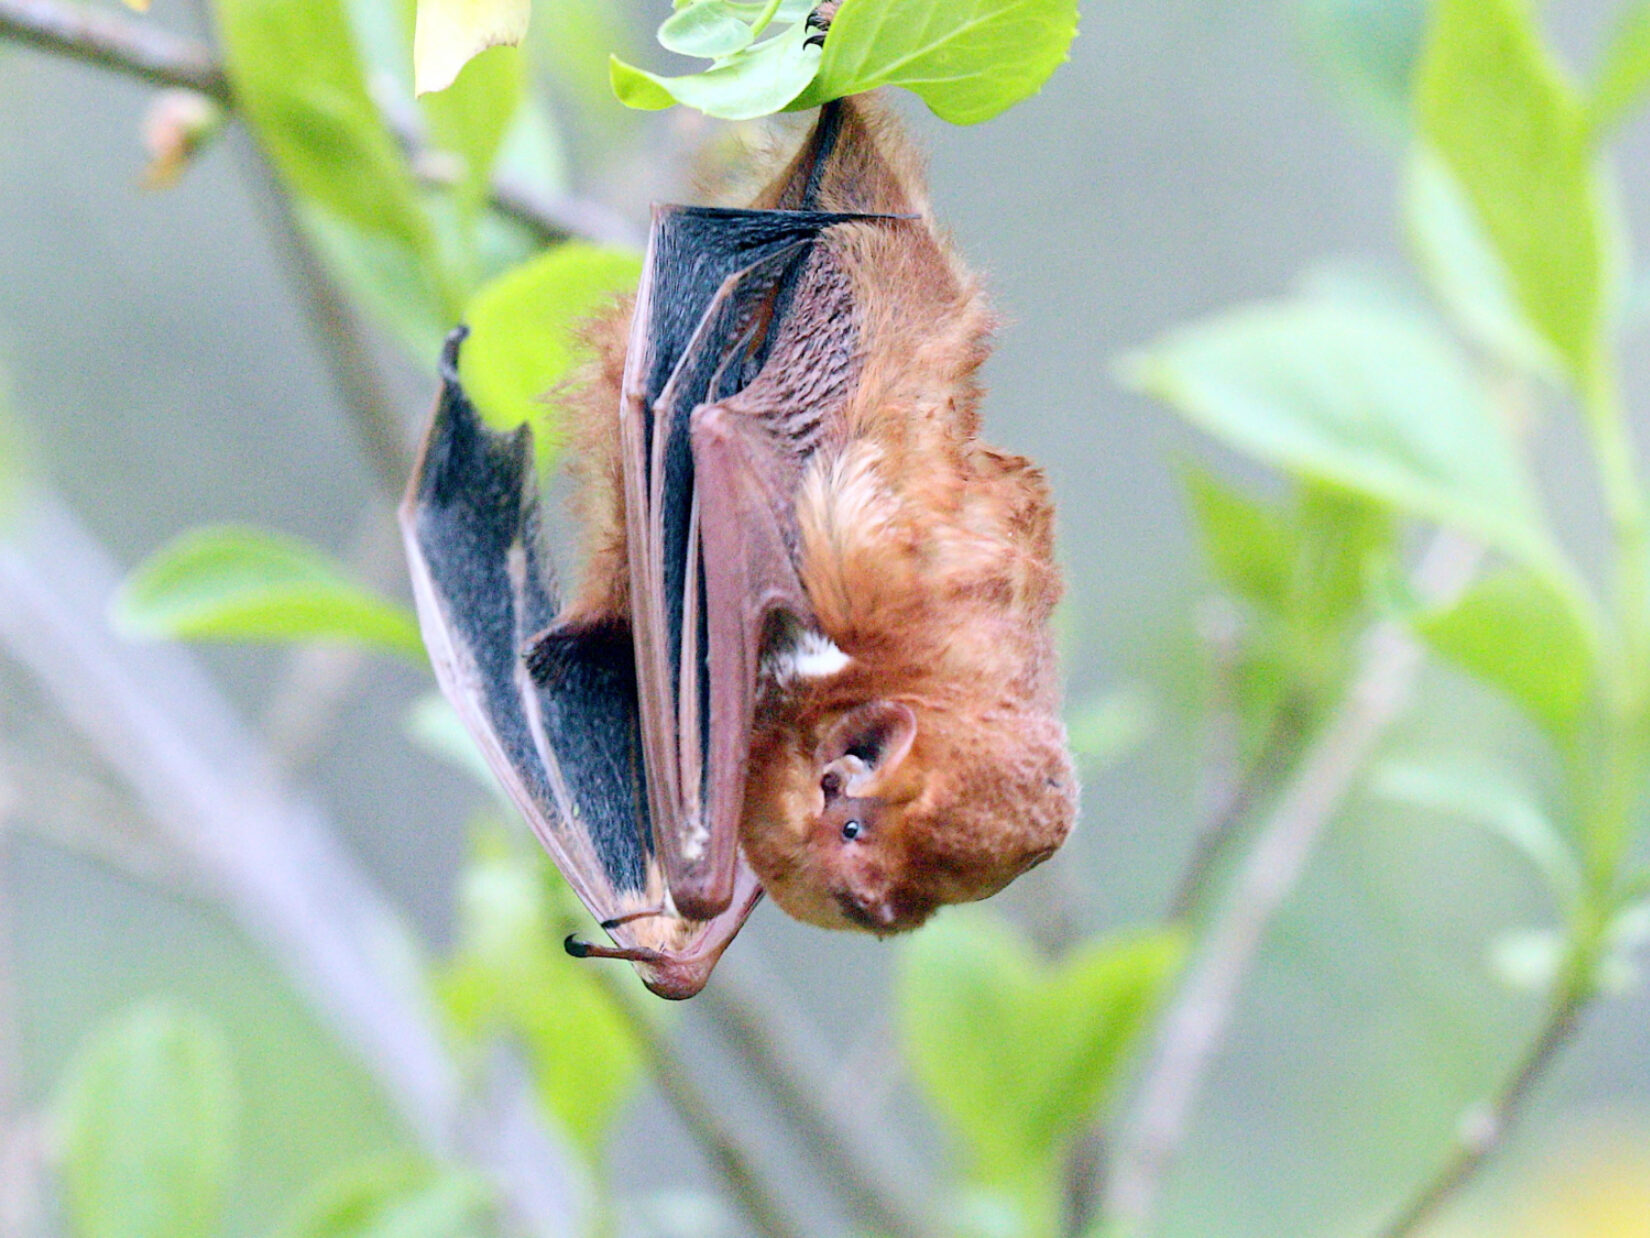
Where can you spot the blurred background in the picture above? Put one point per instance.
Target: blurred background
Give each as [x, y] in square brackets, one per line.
[1193, 155]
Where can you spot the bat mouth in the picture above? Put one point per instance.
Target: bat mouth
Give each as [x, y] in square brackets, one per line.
[878, 918]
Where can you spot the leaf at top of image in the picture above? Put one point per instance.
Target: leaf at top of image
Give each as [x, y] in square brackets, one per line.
[228, 582]
[449, 33]
[968, 60]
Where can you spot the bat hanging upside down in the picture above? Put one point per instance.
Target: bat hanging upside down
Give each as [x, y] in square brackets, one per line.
[811, 637]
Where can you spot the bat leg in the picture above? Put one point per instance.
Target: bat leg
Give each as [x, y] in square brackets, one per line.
[630, 917]
[631, 954]
[550, 653]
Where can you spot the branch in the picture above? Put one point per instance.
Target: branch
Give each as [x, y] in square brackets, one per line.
[1484, 1129]
[137, 49]
[274, 860]
[758, 1195]
[143, 50]
[851, 1153]
[1195, 1026]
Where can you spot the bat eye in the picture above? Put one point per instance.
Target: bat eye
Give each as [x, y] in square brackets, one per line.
[850, 831]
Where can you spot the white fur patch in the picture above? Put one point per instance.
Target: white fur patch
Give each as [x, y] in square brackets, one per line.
[813, 655]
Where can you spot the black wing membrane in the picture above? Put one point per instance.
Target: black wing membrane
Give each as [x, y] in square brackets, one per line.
[568, 752]
[716, 294]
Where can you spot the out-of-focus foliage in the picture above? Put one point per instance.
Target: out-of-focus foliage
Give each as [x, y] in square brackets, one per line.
[232, 583]
[450, 32]
[524, 333]
[394, 1199]
[509, 974]
[145, 1120]
[1018, 1054]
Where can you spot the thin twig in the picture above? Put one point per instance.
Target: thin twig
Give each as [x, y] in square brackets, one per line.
[152, 715]
[1195, 1026]
[1484, 1129]
[142, 50]
[856, 1158]
[752, 1187]
[137, 49]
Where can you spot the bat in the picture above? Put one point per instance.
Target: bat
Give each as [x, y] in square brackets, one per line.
[809, 651]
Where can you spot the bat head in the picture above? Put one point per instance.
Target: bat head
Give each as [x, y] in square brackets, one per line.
[875, 815]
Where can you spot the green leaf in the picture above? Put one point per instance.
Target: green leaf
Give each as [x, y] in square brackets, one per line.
[510, 974]
[227, 582]
[393, 1198]
[757, 81]
[1249, 544]
[449, 33]
[1492, 802]
[1370, 47]
[524, 332]
[1342, 539]
[709, 29]
[1512, 630]
[1624, 74]
[1374, 401]
[469, 119]
[298, 80]
[1495, 106]
[391, 281]
[145, 1117]
[1464, 269]
[968, 60]
[1018, 1055]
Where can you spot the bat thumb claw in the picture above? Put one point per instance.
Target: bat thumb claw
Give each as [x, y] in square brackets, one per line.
[578, 949]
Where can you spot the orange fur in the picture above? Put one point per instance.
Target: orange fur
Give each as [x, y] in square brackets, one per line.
[926, 556]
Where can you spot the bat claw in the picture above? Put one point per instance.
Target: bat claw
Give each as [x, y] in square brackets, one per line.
[629, 917]
[590, 950]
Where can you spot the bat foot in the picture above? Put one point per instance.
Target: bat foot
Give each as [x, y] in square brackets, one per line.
[591, 950]
[820, 21]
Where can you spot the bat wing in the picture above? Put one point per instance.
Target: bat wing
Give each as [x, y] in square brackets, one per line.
[567, 746]
[740, 346]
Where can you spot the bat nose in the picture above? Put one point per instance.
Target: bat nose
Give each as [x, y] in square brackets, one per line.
[871, 914]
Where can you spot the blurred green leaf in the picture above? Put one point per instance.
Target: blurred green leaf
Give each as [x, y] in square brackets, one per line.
[510, 974]
[1374, 401]
[145, 1118]
[1370, 47]
[1107, 728]
[298, 80]
[450, 33]
[12, 456]
[394, 1199]
[1624, 74]
[967, 60]
[1491, 802]
[390, 280]
[1464, 269]
[469, 119]
[1248, 542]
[756, 81]
[524, 332]
[435, 726]
[227, 582]
[1018, 1055]
[1495, 106]
[1511, 630]
[1342, 535]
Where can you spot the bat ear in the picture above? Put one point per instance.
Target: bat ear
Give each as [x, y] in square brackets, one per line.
[864, 744]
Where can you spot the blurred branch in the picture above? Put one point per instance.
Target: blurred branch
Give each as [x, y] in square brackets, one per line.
[757, 1194]
[143, 50]
[137, 49]
[1196, 1023]
[1484, 1128]
[274, 860]
[851, 1153]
